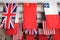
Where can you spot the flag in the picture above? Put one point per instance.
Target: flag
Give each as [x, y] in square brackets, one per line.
[13, 31]
[46, 31]
[30, 16]
[30, 20]
[8, 15]
[51, 13]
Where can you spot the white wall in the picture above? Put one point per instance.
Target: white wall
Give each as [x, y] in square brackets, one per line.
[25, 1]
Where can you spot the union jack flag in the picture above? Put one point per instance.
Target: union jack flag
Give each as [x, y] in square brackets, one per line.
[9, 13]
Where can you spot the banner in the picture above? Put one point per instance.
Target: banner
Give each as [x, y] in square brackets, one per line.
[8, 15]
[12, 31]
[30, 16]
[51, 13]
[46, 31]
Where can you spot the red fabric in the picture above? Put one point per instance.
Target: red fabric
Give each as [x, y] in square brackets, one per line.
[23, 38]
[42, 37]
[30, 37]
[12, 31]
[57, 35]
[30, 16]
[52, 21]
[58, 26]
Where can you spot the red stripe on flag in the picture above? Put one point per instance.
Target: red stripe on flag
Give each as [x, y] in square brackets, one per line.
[52, 21]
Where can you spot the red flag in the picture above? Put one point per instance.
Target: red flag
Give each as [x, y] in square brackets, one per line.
[51, 12]
[30, 19]
[30, 16]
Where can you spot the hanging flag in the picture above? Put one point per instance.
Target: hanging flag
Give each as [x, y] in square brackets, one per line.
[46, 31]
[30, 16]
[30, 20]
[13, 31]
[51, 12]
[8, 15]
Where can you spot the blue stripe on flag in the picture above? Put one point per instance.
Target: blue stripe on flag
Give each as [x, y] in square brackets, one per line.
[10, 25]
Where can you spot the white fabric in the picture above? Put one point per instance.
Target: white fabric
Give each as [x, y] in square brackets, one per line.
[53, 9]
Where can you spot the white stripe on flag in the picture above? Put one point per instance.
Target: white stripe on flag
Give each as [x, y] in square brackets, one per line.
[47, 31]
[52, 8]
